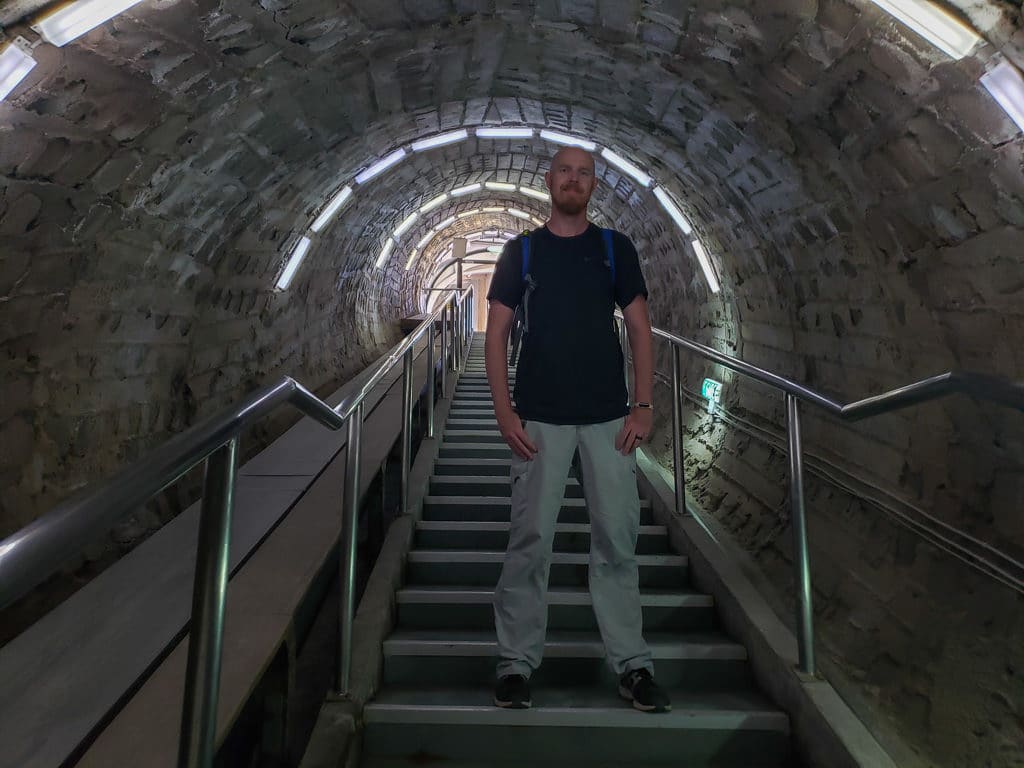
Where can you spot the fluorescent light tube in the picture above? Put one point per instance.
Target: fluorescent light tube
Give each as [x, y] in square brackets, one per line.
[331, 208]
[519, 214]
[1006, 84]
[493, 209]
[434, 203]
[380, 166]
[673, 210]
[440, 140]
[426, 239]
[569, 141]
[298, 254]
[538, 222]
[500, 186]
[935, 24]
[705, 264]
[536, 194]
[468, 190]
[412, 258]
[505, 133]
[384, 253]
[72, 21]
[626, 167]
[447, 222]
[15, 63]
[474, 212]
[404, 226]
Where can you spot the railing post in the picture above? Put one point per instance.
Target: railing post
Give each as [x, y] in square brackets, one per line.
[457, 335]
[406, 427]
[349, 538]
[431, 381]
[678, 448]
[444, 352]
[801, 556]
[206, 634]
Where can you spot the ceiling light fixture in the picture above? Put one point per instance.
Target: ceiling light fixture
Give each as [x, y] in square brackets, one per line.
[71, 21]
[935, 24]
[297, 255]
[626, 167]
[15, 63]
[381, 165]
[567, 140]
[440, 140]
[331, 209]
[1006, 84]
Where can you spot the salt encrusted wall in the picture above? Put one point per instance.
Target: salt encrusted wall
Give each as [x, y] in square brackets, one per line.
[861, 195]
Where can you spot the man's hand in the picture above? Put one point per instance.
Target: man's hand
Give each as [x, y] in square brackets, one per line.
[636, 429]
[512, 431]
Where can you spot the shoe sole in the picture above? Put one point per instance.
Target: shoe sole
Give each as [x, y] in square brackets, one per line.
[513, 704]
[628, 696]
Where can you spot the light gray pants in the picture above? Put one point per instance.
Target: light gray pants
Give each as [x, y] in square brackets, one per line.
[538, 487]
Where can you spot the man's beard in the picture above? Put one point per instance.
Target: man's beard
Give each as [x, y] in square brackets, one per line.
[570, 206]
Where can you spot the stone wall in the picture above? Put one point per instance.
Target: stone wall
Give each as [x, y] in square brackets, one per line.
[861, 197]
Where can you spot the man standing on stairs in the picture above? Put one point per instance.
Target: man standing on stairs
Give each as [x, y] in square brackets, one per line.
[570, 393]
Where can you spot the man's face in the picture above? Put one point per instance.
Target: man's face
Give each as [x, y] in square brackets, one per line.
[571, 180]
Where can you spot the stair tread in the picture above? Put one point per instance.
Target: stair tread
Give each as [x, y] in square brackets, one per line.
[556, 596]
[498, 556]
[564, 643]
[503, 501]
[484, 479]
[488, 526]
[578, 706]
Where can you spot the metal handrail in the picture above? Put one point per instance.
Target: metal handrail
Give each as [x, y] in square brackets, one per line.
[30, 555]
[992, 388]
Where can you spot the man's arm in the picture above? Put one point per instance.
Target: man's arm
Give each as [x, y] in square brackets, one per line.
[499, 324]
[638, 424]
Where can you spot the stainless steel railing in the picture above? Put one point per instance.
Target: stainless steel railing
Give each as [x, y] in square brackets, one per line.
[991, 388]
[33, 553]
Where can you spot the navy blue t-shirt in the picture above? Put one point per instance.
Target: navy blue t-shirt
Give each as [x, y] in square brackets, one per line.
[570, 364]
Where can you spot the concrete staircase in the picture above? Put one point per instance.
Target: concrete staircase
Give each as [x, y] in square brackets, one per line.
[434, 707]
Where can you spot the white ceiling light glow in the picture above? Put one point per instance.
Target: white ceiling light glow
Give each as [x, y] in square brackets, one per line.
[331, 209]
[381, 165]
[519, 214]
[935, 24]
[673, 210]
[1006, 84]
[499, 186]
[72, 21]
[566, 140]
[467, 190]
[440, 140]
[298, 254]
[626, 167]
[446, 223]
[474, 212]
[404, 226]
[412, 258]
[426, 239]
[536, 194]
[705, 265]
[493, 209]
[434, 203]
[505, 133]
[385, 252]
[15, 63]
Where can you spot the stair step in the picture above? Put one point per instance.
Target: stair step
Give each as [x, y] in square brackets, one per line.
[441, 485]
[424, 607]
[483, 568]
[697, 660]
[448, 450]
[499, 509]
[730, 729]
[569, 537]
[473, 467]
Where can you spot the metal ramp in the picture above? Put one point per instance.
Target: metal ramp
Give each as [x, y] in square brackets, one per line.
[434, 706]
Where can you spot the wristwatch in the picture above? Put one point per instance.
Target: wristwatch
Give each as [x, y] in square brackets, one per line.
[648, 406]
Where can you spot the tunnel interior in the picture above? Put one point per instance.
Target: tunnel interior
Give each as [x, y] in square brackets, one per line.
[857, 193]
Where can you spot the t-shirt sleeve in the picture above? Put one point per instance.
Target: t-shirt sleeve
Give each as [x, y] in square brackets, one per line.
[629, 279]
[507, 281]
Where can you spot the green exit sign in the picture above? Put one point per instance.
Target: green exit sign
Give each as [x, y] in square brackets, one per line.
[711, 391]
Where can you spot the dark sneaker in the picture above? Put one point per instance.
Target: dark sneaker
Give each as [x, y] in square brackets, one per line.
[639, 687]
[512, 692]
